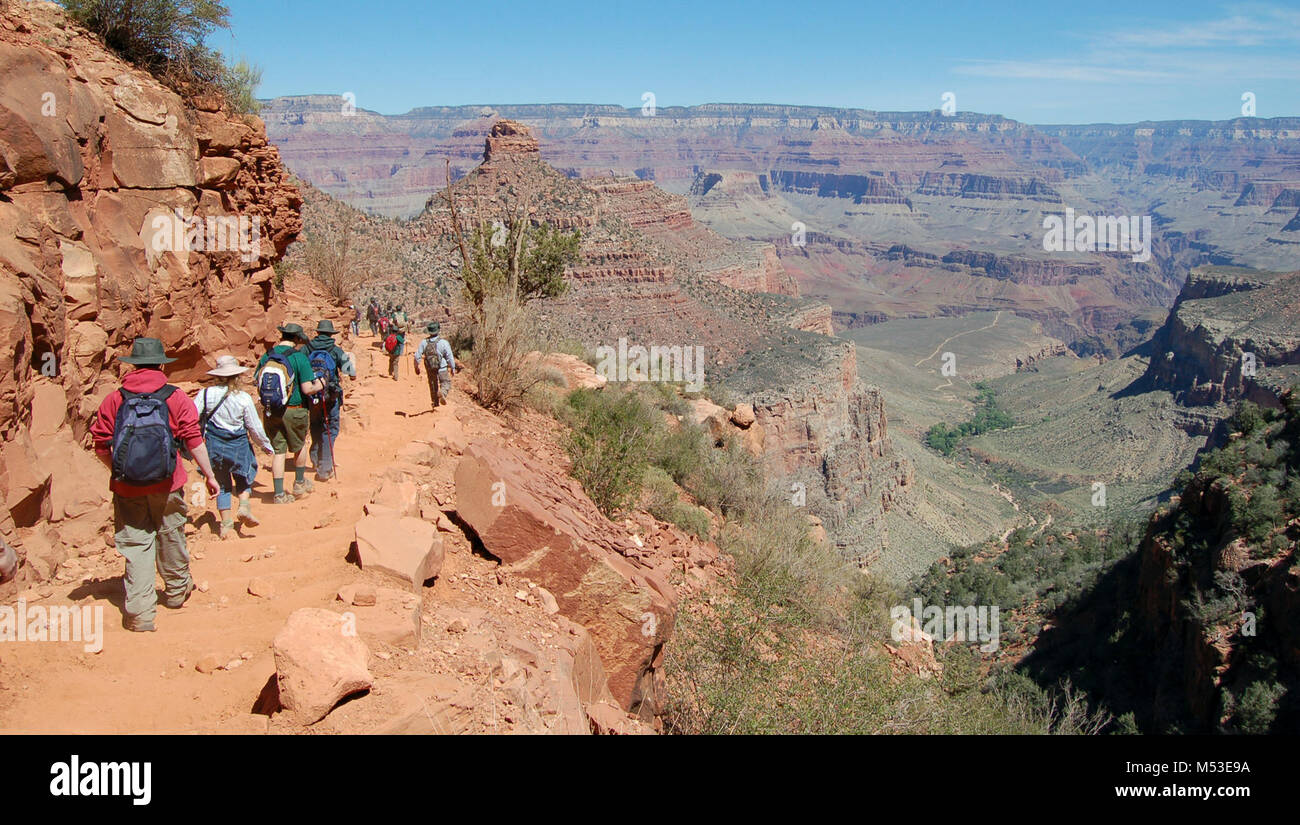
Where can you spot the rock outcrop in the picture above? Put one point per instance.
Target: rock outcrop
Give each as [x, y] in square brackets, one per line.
[1233, 334]
[125, 210]
[543, 526]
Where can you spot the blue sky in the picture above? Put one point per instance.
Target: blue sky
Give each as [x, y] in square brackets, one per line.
[1040, 62]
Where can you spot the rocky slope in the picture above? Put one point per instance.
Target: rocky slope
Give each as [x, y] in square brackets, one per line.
[101, 170]
[463, 622]
[1232, 334]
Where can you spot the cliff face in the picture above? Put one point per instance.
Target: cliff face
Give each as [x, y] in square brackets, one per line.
[1202, 655]
[1232, 334]
[102, 173]
[393, 163]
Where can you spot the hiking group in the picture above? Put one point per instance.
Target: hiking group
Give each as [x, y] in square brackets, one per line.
[140, 429]
[434, 351]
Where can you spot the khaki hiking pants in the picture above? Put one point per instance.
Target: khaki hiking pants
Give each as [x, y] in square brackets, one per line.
[439, 386]
[150, 535]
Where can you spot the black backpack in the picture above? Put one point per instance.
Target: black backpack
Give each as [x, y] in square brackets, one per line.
[144, 449]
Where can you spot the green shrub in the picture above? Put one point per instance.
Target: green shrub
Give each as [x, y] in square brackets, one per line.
[167, 38]
[729, 481]
[1257, 707]
[681, 452]
[608, 443]
[239, 85]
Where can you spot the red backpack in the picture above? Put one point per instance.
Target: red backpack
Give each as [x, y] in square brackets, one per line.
[390, 343]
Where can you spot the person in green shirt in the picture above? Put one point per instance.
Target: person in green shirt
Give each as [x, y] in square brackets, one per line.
[288, 432]
[395, 357]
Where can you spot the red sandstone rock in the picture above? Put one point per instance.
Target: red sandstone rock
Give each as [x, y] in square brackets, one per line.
[79, 274]
[317, 664]
[404, 547]
[542, 525]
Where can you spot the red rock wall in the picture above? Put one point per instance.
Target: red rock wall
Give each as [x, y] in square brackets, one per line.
[92, 153]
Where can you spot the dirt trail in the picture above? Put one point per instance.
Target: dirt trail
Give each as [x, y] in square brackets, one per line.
[945, 341]
[147, 682]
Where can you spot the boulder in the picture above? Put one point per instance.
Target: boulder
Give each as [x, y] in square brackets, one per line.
[406, 548]
[743, 416]
[25, 484]
[401, 497]
[387, 616]
[540, 523]
[317, 664]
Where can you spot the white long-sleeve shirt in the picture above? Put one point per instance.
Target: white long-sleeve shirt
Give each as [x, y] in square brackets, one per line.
[237, 414]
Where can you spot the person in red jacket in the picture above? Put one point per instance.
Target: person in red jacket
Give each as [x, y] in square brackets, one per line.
[149, 520]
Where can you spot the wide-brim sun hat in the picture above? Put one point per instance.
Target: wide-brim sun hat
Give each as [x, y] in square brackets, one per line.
[227, 365]
[146, 352]
[434, 327]
[291, 330]
[327, 327]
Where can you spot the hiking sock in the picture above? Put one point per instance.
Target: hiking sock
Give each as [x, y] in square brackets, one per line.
[279, 485]
[299, 474]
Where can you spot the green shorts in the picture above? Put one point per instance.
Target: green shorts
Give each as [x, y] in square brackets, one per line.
[289, 432]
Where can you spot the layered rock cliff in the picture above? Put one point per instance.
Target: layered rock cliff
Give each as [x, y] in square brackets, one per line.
[1232, 334]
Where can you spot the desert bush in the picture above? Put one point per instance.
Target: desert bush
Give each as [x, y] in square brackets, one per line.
[728, 481]
[609, 443]
[337, 257]
[167, 38]
[502, 338]
[681, 452]
[239, 83]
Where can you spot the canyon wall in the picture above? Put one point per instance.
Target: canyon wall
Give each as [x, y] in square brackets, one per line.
[1231, 335]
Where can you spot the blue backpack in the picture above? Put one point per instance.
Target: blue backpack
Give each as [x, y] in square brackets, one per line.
[144, 449]
[326, 366]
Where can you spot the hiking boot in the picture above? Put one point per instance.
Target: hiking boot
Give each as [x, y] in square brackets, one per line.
[325, 476]
[282, 498]
[302, 488]
[136, 626]
[226, 529]
[246, 516]
[179, 602]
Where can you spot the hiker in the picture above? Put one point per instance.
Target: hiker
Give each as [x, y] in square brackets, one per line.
[228, 416]
[372, 315]
[439, 363]
[284, 384]
[356, 320]
[330, 363]
[394, 345]
[400, 315]
[137, 433]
